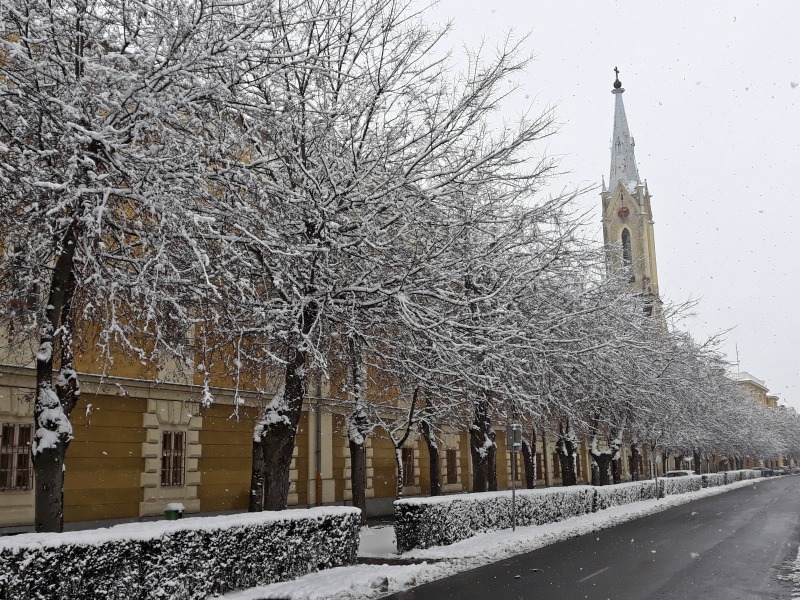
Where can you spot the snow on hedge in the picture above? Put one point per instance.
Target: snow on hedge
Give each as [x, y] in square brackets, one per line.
[624, 493]
[187, 559]
[726, 477]
[680, 485]
[444, 520]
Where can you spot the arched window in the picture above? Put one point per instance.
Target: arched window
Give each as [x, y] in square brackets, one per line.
[627, 253]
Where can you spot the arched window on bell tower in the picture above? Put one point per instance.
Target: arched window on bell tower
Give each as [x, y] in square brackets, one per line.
[627, 252]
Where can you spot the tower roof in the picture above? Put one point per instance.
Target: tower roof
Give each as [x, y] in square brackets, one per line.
[623, 160]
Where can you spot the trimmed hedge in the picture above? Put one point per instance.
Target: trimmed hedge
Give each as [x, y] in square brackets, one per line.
[444, 520]
[180, 560]
[726, 477]
[680, 485]
[624, 493]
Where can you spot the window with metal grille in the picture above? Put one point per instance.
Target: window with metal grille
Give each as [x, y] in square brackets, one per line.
[408, 466]
[172, 458]
[452, 467]
[15, 456]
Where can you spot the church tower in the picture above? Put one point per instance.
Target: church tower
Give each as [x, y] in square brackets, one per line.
[627, 214]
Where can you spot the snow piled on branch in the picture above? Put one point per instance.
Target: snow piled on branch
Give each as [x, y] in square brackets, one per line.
[274, 414]
[53, 426]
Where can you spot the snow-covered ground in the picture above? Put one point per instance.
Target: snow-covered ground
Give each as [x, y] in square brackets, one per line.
[365, 581]
[793, 574]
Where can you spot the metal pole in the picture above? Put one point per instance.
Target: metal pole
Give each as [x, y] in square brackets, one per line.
[513, 491]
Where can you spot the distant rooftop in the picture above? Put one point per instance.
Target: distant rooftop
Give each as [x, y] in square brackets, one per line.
[745, 376]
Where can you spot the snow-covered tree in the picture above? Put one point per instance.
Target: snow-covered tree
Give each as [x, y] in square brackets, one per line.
[109, 139]
[355, 153]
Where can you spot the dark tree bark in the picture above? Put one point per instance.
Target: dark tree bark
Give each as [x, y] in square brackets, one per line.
[566, 448]
[697, 459]
[678, 461]
[53, 407]
[256, 501]
[635, 457]
[603, 460]
[595, 473]
[616, 459]
[358, 477]
[358, 428]
[492, 461]
[616, 471]
[277, 440]
[433, 457]
[665, 462]
[479, 445]
[398, 443]
[529, 461]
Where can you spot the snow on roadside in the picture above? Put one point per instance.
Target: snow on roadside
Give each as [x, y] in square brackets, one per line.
[362, 582]
[792, 575]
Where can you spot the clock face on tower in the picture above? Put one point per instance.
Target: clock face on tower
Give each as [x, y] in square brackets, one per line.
[623, 212]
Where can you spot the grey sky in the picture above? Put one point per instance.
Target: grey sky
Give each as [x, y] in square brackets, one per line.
[712, 98]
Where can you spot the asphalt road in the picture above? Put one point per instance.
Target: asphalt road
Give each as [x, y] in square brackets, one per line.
[725, 547]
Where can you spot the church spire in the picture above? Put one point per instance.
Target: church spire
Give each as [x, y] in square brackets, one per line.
[623, 161]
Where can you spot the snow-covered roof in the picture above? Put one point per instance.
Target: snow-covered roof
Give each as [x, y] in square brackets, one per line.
[745, 376]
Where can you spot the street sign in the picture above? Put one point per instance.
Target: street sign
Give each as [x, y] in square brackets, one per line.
[514, 437]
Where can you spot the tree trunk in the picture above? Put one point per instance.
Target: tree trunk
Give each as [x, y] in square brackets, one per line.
[635, 456]
[256, 502]
[566, 448]
[491, 467]
[530, 463]
[678, 461]
[479, 446]
[52, 407]
[278, 445]
[595, 473]
[603, 460]
[697, 458]
[358, 477]
[277, 440]
[567, 463]
[398, 459]
[433, 457]
[665, 462]
[616, 471]
[616, 457]
[358, 428]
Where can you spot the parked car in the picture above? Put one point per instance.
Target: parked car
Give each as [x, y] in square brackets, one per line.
[679, 473]
[765, 472]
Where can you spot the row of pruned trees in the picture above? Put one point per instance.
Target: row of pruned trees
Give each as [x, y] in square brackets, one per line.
[262, 190]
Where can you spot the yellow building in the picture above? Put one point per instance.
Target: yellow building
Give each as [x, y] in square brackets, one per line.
[140, 444]
[758, 391]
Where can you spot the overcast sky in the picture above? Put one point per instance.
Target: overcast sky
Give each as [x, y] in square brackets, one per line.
[712, 99]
